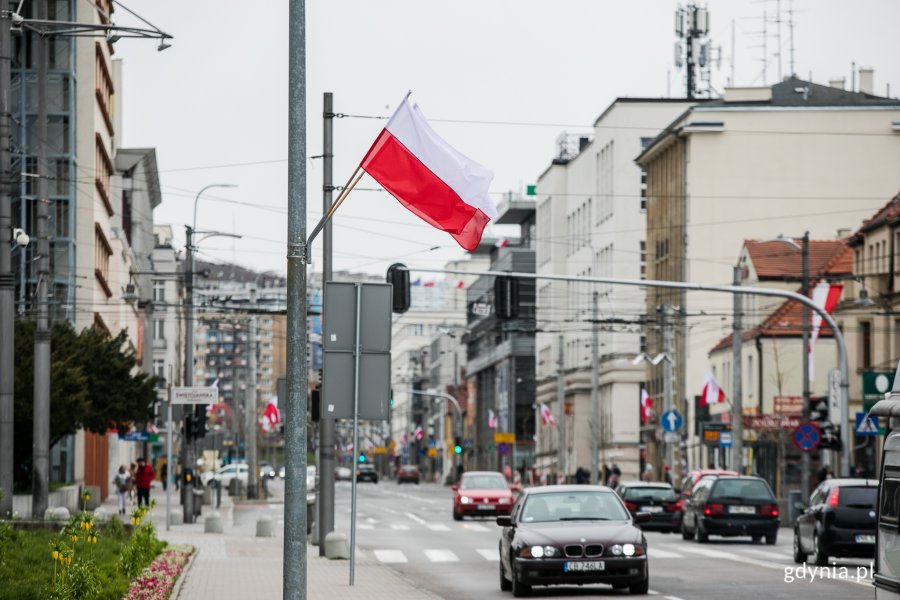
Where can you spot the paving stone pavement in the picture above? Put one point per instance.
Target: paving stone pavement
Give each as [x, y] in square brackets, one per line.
[236, 565]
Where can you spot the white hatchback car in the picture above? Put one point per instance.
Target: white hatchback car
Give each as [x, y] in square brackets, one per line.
[226, 474]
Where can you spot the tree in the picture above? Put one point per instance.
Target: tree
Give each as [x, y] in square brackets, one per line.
[92, 386]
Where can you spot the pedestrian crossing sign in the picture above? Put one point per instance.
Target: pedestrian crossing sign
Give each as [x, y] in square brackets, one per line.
[867, 425]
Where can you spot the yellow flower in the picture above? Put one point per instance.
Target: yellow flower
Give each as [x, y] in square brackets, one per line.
[55, 555]
[68, 560]
[74, 538]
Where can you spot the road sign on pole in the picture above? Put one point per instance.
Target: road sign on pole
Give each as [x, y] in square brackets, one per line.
[672, 420]
[807, 437]
[195, 395]
[725, 439]
[867, 426]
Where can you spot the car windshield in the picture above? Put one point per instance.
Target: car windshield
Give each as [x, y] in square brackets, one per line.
[483, 482]
[573, 506]
[743, 489]
[858, 497]
[638, 494]
[408, 469]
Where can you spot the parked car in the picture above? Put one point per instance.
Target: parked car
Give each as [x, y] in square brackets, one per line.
[657, 498]
[281, 471]
[343, 474]
[572, 535]
[482, 493]
[731, 506]
[366, 472]
[887, 536]
[311, 479]
[691, 479]
[266, 471]
[408, 474]
[225, 474]
[839, 521]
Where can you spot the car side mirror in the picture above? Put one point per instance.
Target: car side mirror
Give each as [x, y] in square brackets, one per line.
[455, 488]
[515, 489]
[506, 521]
[799, 505]
[642, 517]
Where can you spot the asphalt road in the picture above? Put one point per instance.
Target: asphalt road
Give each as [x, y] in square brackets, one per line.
[410, 528]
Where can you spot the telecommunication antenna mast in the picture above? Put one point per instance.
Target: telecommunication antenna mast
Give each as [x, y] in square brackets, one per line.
[693, 50]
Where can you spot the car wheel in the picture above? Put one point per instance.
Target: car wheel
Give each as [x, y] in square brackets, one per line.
[799, 555]
[757, 539]
[505, 584]
[702, 536]
[820, 556]
[771, 539]
[456, 516]
[519, 589]
[685, 534]
[641, 587]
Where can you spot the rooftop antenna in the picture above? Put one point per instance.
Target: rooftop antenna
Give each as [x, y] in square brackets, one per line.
[693, 49]
[790, 12]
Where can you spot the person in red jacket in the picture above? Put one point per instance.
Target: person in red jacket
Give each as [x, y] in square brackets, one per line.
[143, 479]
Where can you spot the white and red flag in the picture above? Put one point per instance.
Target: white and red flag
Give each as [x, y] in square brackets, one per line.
[712, 393]
[418, 433]
[826, 296]
[446, 189]
[492, 419]
[271, 415]
[546, 415]
[646, 406]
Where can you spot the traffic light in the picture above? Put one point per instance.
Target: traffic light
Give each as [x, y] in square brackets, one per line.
[818, 408]
[457, 445]
[506, 297]
[188, 431]
[362, 458]
[831, 437]
[315, 405]
[398, 277]
[199, 422]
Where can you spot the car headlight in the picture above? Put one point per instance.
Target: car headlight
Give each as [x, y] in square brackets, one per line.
[504, 501]
[539, 552]
[464, 499]
[626, 550]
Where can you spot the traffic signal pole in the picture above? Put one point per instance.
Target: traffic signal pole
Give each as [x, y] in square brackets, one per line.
[843, 364]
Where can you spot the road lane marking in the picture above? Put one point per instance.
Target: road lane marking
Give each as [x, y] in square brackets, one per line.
[371, 520]
[441, 556]
[767, 554]
[657, 553]
[710, 553]
[474, 527]
[416, 518]
[400, 527]
[673, 598]
[437, 527]
[492, 554]
[365, 526]
[390, 556]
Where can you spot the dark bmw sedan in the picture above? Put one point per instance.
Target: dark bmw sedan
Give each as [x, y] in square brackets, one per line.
[572, 535]
[731, 506]
[839, 521]
[658, 499]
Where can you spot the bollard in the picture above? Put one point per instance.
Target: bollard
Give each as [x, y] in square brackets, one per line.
[337, 545]
[218, 493]
[265, 527]
[212, 523]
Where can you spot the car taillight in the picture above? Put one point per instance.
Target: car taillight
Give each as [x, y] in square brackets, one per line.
[675, 506]
[713, 509]
[631, 506]
[834, 497]
[768, 510]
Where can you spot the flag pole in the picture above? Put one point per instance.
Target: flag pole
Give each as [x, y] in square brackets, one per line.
[351, 183]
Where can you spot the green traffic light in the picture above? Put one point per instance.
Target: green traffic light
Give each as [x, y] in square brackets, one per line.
[457, 449]
[362, 458]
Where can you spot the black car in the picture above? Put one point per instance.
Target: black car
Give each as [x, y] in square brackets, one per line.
[366, 472]
[657, 498]
[839, 521]
[572, 535]
[731, 506]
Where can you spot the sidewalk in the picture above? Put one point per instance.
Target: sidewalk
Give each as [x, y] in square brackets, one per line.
[237, 565]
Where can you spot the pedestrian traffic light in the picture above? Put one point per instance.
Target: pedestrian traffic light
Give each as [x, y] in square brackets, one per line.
[506, 297]
[831, 437]
[398, 277]
[199, 422]
[457, 445]
[188, 430]
[362, 458]
[315, 405]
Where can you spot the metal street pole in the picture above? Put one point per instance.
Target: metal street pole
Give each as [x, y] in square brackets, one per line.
[294, 557]
[170, 469]
[7, 283]
[737, 399]
[805, 465]
[595, 402]
[326, 426]
[561, 411]
[843, 362]
[667, 374]
[187, 450]
[250, 414]
[41, 439]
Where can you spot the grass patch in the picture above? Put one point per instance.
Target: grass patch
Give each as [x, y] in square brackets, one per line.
[97, 570]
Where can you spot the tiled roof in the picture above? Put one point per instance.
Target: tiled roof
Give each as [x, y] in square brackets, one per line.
[889, 213]
[775, 260]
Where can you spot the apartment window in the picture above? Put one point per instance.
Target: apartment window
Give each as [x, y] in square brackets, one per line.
[643, 190]
[102, 252]
[103, 89]
[159, 329]
[643, 259]
[865, 340]
[159, 369]
[103, 169]
[159, 291]
[750, 375]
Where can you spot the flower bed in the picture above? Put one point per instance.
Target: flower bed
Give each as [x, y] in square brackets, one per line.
[157, 580]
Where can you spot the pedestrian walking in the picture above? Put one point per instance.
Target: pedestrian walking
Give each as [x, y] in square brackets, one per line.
[164, 475]
[122, 481]
[131, 475]
[143, 480]
[668, 474]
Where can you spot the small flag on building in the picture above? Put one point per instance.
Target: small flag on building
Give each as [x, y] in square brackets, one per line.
[492, 419]
[712, 393]
[546, 415]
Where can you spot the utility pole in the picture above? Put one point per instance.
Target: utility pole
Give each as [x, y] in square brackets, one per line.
[805, 466]
[187, 450]
[297, 259]
[41, 436]
[326, 426]
[595, 403]
[667, 370]
[737, 400]
[561, 411]
[250, 412]
[7, 283]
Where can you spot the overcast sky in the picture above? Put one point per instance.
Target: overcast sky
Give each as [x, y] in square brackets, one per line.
[214, 105]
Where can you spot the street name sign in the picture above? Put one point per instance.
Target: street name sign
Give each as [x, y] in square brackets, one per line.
[195, 395]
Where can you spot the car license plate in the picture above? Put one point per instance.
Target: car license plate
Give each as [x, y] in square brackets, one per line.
[742, 510]
[865, 539]
[651, 509]
[588, 565]
[485, 507]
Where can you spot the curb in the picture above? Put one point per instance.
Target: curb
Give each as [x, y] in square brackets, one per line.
[176, 591]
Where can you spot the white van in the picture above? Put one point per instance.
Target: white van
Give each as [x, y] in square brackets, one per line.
[887, 536]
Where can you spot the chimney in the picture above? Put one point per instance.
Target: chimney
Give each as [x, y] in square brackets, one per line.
[867, 80]
[837, 83]
[843, 233]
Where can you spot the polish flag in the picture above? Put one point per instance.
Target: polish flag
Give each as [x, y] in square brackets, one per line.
[826, 296]
[431, 178]
[492, 419]
[418, 433]
[502, 243]
[460, 285]
[712, 393]
[646, 406]
[546, 415]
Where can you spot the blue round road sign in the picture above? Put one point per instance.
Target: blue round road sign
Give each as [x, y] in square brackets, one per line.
[807, 436]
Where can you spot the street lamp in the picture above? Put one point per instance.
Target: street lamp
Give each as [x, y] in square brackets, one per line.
[197, 197]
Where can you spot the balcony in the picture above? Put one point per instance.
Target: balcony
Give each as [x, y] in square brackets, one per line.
[159, 344]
